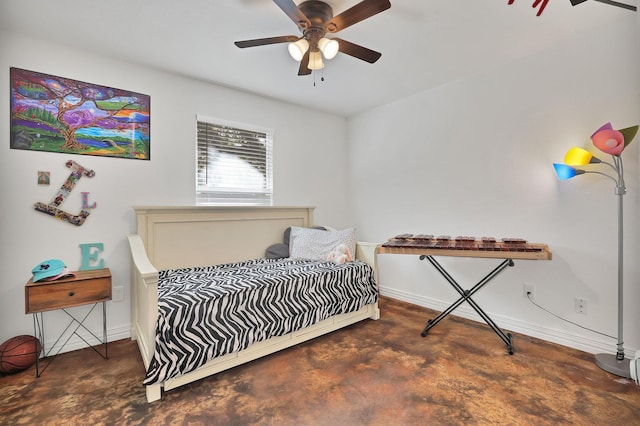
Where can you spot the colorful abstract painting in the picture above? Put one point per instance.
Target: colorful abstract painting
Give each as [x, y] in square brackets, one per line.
[57, 114]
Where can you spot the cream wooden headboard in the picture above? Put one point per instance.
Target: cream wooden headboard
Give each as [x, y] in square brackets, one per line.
[184, 236]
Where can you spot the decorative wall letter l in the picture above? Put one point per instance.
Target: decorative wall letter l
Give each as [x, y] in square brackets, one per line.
[85, 201]
[77, 171]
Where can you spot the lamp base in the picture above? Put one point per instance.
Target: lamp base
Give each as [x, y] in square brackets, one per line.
[619, 367]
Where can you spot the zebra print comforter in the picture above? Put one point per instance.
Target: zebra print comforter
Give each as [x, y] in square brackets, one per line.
[206, 312]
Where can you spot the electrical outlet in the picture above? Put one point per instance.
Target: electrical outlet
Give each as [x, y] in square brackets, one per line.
[529, 290]
[118, 294]
[581, 305]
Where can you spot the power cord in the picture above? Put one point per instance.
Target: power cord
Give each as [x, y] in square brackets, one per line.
[564, 319]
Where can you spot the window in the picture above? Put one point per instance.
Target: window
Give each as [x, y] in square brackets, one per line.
[234, 163]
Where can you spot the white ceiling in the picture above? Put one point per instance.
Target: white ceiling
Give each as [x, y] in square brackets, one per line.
[424, 43]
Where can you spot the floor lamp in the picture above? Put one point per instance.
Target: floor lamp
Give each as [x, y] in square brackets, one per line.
[612, 142]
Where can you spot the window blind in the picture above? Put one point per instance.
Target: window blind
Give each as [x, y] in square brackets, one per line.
[234, 164]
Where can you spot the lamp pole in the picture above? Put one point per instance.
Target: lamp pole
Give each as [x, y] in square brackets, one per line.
[617, 364]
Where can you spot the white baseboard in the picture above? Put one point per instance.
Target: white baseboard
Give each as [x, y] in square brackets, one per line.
[76, 342]
[560, 337]
[563, 338]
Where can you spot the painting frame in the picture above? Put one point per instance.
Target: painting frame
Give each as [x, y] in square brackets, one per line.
[57, 114]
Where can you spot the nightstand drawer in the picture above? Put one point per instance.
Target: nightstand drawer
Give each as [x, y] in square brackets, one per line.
[86, 287]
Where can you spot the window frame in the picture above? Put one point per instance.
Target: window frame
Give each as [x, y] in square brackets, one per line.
[214, 195]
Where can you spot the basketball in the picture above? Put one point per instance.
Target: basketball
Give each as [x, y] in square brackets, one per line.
[19, 353]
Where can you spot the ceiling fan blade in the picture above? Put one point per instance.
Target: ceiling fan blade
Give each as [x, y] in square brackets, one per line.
[361, 11]
[357, 51]
[265, 41]
[304, 65]
[295, 14]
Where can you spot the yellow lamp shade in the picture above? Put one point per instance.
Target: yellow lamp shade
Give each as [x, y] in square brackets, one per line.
[577, 157]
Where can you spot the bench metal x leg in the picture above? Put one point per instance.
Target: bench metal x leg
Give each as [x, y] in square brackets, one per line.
[465, 296]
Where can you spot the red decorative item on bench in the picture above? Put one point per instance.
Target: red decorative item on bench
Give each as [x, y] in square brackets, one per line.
[537, 3]
[19, 353]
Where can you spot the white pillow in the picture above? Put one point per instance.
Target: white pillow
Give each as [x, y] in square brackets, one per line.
[315, 244]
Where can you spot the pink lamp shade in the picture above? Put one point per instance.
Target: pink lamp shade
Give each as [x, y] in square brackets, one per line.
[608, 140]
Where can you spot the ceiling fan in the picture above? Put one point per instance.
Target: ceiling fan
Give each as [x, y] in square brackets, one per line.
[315, 19]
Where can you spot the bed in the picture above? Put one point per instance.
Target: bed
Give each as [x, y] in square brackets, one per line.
[187, 238]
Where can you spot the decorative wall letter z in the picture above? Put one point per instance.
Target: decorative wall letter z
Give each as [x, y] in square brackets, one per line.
[77, 171]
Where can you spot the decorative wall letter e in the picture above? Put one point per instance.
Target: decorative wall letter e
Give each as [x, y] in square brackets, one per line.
[77, 171]
[90, 258]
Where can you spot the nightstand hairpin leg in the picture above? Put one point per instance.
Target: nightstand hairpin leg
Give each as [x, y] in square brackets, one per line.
[38, 326]
[38, 331]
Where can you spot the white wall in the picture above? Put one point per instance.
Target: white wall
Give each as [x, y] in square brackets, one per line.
[471, 157]
[474, 157]
[309, 156]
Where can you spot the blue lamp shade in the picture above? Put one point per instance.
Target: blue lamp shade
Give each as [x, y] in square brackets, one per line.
[565, 172]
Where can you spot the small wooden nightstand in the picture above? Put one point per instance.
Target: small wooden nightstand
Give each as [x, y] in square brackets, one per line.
[84, 288]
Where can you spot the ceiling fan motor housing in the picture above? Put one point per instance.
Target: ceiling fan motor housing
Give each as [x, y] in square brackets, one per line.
[319, 14]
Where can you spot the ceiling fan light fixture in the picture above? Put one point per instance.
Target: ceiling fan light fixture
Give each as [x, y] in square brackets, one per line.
[328, 47]
[315, 19]
[315, 61]
[298, 49]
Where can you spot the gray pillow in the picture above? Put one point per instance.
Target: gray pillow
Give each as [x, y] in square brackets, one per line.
[277, 251]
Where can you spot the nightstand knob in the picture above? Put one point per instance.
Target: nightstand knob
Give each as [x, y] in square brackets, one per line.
[71, 293]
